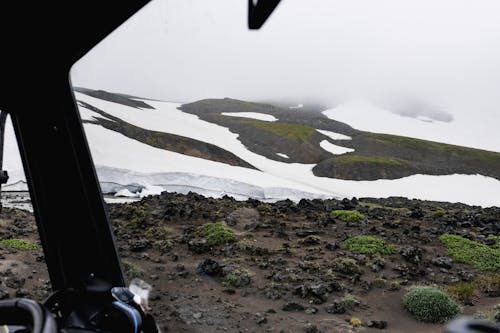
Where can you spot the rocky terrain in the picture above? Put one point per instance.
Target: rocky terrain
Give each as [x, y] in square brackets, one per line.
[247, 266]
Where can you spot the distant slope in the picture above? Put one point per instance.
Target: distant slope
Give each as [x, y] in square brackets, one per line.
[115, 98]
[287, 153]
[375, 156]
[166, 141]
[384, 156]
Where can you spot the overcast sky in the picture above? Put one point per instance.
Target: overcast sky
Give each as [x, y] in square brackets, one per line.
[443, 51]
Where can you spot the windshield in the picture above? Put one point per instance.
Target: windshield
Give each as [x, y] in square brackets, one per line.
[336, 170]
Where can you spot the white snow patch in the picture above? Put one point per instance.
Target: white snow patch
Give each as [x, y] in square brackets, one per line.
[334, 136]
[115, 150]
[334, 149]
[298, 106]
[465, 130]
[151, 190]
[126, 193]
[11, 157]
[282, 155]
[252, 115]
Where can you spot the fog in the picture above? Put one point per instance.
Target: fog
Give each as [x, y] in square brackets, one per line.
[441, 53]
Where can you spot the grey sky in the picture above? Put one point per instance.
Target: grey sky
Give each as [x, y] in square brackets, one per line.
[444, 51]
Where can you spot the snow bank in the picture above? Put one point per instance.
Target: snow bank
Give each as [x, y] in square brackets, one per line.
[467, 130]
[334, 149]
[334, 136]
[252, 115]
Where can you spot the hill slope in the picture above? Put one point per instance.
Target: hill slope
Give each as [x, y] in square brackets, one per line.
[276, 153]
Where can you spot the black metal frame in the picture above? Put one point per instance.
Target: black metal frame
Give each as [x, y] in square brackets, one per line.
[40, 42]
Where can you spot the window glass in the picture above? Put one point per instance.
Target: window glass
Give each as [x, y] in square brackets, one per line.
[22, 268]
[304, 176]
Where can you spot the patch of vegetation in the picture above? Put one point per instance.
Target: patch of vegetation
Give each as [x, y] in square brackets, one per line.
[346, 266]
[368, 245]
[355, 322]
[463, 291]
[484, 156]
[429, 304]
[137, 214]
[379, 283]
[478, 255]
[288, 131]
[158, 232]
[347, 215]
[480, 315]
[394, 286]
[20, 244]
[488, 283]
[377, 160]
[216, 233]
[164, 245]
[310, 240]
[131, 270]
[265, 208]
[439, 212]
[371, 206]
[236, 277]
[350, 301]
[495, 240]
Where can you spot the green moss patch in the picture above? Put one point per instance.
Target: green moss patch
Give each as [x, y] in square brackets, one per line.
[347, 215]
[216, 233]
[377, 160]
[288, 131]
[463, 291]
[132, 270]
[478, 255]
[20, 244]
[368, 245]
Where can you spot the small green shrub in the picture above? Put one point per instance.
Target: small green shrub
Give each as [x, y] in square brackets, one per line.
[439, 212]
[480, 315]
[394, 286]
[478, 255]
[133, 271]
[355, 322]
[496, 240]
[164, 245]
[430, 304]
[237, 277]
[463, 291]
[20, 244]
[265, 208]
[350, 301]
[488, 283]
[379, 282]
[347, 215]
[216, 233]
[368, 245]
[346, 266]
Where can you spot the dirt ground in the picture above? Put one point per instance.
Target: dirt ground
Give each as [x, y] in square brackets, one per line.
[273, 277]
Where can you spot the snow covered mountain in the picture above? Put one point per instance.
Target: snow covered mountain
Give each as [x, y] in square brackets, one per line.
[220, 147]
[228, 147]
